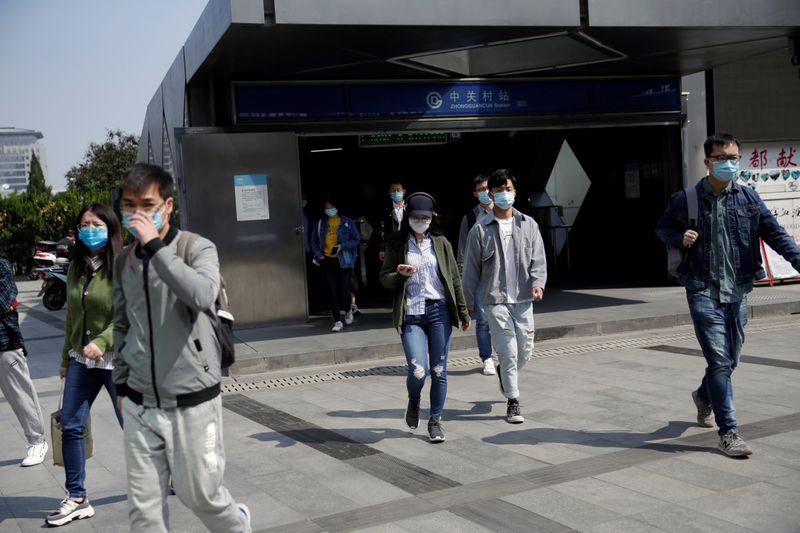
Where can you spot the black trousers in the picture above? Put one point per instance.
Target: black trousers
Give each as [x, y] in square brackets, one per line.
[337, 286]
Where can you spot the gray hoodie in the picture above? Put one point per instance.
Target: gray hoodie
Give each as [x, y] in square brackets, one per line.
[168, 353]
[484, 264]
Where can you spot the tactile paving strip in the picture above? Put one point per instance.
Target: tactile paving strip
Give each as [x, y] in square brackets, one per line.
[400, 370]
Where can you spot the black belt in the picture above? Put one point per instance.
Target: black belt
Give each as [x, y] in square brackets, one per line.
[183, 400]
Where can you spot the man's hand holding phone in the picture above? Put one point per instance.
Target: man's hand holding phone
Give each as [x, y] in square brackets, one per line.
[406, 270]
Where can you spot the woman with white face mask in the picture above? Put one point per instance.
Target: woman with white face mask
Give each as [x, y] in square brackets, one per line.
[420, 267]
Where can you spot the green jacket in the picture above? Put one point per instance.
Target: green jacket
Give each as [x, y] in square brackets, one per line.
[96, 309]
[395, 254]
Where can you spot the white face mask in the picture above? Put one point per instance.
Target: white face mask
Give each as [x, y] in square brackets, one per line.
[419, 225]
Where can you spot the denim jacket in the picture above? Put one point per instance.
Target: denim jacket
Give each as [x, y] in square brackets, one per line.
[347, 237]
[748, 220]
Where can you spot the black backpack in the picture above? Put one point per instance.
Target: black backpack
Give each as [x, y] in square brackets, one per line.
[221, 317]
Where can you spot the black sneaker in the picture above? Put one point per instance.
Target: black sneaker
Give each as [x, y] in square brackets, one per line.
[412, 414]
[435, 433]
[513, 415]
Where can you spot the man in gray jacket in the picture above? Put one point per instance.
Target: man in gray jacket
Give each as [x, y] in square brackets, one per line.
[505, 261]
[168, 369]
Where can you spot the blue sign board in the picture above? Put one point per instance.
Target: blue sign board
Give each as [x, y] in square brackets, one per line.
[269, 103]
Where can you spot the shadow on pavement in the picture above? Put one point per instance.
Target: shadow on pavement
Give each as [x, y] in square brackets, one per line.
[602, 439]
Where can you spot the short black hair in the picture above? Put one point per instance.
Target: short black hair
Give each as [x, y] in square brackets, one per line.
[142, 176]
[397, 182]
[477, 180]
[500, 177]
[719, 139]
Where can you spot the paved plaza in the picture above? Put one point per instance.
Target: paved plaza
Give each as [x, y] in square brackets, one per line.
[609, 442]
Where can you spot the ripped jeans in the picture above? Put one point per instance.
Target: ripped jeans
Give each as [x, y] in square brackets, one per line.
[720, 331]
[512, 335]
[426, 341]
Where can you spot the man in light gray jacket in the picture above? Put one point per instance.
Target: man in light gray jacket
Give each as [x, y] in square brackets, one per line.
[505, 261]
[168, 374]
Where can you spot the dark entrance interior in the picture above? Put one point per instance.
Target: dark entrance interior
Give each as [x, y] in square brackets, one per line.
[611, 240]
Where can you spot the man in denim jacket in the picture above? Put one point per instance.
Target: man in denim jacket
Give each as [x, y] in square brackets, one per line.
[723, 258]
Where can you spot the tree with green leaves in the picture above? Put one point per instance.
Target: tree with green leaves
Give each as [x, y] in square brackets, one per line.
[104, 164]
[36, 183]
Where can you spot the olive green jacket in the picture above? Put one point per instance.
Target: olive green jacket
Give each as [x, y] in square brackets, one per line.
[95, 311]
[395, 254]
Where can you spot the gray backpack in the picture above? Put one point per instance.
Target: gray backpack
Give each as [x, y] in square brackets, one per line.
[676, 256]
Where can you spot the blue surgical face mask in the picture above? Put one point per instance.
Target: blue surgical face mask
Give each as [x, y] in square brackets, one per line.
[396, 196]
[157, 218]
[504, 199]
[725, 170]
[484, 198]
[93, 238]
[331, 211]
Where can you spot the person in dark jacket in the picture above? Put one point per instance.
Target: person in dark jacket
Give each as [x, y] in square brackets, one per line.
[420, 267]
[723, 258]
[15, 379]
[334, 242]
[480, 190]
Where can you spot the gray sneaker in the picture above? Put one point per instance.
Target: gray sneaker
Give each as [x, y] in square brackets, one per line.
[435, 433]
[705, 415]
[70, 510]
[733, 445]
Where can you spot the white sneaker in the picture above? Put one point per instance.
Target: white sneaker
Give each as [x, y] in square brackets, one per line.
[70, 510]
[337, 327]
[35, 455]
[488, 367]
[348, 318]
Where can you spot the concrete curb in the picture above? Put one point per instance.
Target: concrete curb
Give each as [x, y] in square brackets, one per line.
[261, 362]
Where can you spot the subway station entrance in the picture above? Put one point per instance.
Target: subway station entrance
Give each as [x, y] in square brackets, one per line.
[586, 102]
[596, 230]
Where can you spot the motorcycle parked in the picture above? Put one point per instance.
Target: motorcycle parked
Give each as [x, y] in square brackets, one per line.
[54, 286]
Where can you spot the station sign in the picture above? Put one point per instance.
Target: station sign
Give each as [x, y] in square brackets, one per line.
[259, 103]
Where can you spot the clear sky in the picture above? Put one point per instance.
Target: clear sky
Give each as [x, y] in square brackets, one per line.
[74, 68]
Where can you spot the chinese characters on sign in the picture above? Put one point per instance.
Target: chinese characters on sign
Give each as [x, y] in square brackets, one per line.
[773, 170]
[252, 198]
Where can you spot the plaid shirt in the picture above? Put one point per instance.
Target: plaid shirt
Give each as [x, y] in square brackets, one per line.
[10, 335]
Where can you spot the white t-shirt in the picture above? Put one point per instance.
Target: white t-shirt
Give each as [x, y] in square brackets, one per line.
[510, 270]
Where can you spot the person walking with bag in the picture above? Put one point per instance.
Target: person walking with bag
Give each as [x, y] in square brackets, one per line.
[87, 357]
[334, 242]
[420, 268]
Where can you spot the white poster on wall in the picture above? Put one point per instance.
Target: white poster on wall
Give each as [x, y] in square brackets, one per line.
[252, 198]
[773, 170]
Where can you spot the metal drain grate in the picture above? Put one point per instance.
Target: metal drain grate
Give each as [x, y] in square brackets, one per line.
[461, 362]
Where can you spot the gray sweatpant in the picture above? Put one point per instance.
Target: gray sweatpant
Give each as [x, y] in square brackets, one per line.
[17, 387]
[513, 337]
[186, 443]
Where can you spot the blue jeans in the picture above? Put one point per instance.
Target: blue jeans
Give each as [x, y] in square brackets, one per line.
[81, 388]
[482, 333]
[426, 341]
[720, 330]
